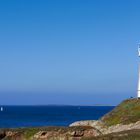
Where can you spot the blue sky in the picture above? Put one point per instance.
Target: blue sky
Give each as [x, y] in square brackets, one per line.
[68, 51]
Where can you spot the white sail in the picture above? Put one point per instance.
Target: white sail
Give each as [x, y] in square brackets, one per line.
[1, 109]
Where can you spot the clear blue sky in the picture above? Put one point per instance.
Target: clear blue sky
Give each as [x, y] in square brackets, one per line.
[68, 51]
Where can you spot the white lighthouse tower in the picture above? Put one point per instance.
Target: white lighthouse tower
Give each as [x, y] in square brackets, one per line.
[138, 92]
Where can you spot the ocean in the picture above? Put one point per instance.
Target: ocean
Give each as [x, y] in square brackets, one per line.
[27, 116]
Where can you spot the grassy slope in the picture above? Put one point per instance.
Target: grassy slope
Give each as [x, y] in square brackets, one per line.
[126, 135]
[126, 112]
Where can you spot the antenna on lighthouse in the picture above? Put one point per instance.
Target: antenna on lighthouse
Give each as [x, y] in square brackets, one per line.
[139, 49]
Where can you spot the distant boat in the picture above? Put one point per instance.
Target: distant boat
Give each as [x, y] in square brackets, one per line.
[79, 107]
[1, 109]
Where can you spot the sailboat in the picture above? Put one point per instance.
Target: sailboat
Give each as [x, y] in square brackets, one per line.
[1, 109]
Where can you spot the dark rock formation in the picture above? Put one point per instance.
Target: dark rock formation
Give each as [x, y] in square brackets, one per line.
[2, 134]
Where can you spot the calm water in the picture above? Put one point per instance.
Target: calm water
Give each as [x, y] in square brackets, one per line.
[21, 116]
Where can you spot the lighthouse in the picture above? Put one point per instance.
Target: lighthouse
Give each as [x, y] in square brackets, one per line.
[138, 92]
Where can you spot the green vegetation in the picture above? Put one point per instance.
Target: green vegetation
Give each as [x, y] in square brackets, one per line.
[27, 133]
[127, 135]
[126, 112]
[30, 132]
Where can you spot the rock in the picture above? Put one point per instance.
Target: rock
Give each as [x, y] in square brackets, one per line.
[11, 133]
[68, 135]
[120, 128]
[98, 125]
[83, 123]
[77, 133]
[102, 129]
[2, 134]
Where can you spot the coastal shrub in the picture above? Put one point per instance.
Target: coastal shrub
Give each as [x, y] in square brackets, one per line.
[126, 135]
[126, 112]
[30, 132]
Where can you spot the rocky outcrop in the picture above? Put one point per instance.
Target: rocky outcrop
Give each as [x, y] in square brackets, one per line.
[83, 123]
[49, 133]
[98, 125]
[103, 129]
[120, 128]
[2, 134]
[71, 135]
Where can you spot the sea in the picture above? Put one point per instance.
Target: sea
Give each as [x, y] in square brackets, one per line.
[30, 116]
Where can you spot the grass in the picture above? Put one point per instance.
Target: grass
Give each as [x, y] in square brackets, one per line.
[125, 113]
[30, 132]
[126, 135]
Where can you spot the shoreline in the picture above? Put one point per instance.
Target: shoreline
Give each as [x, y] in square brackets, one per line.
[121, 123]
